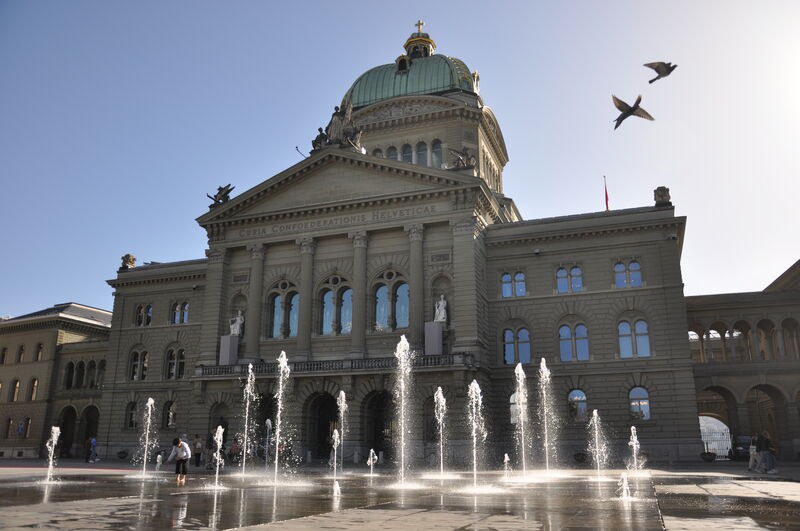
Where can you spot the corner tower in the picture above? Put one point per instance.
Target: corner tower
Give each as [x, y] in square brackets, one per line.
[425, 108]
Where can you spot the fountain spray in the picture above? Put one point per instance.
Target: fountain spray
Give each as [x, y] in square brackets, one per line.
[218, 453]
[283, 374]
[506, 466]
[148, 420]
[633, 442]
[624, 488]
[55, 432]
[249, 394]
[598, 447]
[474, 409]
[405, 359]
[522, 413]
[341, 401]
[547, 415]
[440, 410]
[336, 491]
[371, 460]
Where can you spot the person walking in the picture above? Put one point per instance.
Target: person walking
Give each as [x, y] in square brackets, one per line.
[768, 455]
[93, 449]
[198, 449]
[181, 453]
[755, 457]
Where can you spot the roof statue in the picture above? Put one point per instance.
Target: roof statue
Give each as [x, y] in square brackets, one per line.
[222, 196]
[128, 261]
[462, 159]
[341, 131]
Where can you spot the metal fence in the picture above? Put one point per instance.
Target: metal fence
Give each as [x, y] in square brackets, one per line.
[718, 442]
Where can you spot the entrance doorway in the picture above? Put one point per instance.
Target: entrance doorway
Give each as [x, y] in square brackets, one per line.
[322, 417]
[379, 424]
[67, 421]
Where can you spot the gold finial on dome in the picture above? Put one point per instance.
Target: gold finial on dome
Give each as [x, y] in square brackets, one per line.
[419, 25]
[419, 44]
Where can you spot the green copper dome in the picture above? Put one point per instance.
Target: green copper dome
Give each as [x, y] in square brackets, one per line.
[436, 74]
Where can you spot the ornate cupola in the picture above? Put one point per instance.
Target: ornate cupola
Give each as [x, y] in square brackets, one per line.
[419, 44]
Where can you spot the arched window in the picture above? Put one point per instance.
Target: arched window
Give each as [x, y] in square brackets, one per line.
[276, 310]
[138, 365]
[346, 311]
[169, 415]
[634, 339]
[27, 427]
[148, 315]
[519, 284]
[422, 154]
[13, 393]
[628, 275]
[294, 312]
[175, 313]
[569, 281]
[506, 286]
[180, 312]
[91, 377]
[176, 363]
[139, 316]
[328, 309]
[514, 405]
[80, 372]
[391, 153]
[33, 389]
[640, 403]
[69, 375]
[401, 305]
[406, 154]
[516, 346]
[642, 339]
[130, 415]
[101, 374]
[377, 153]
[21, 354]
[436, 154]
[382, 308]
[573, 342]
[577, 405]
[9, 428]
[39, 352]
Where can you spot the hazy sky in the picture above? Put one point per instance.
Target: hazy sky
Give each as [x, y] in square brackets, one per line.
[116, 118]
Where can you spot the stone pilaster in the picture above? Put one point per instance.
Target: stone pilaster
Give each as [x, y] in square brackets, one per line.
[252, 336]
[358, 332]
[416, 286]
[465, 276]
[307, 248]
[213, 302]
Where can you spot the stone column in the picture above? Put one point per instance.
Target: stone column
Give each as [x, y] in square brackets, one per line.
[466, 292]
[213, 303]
[358, 333]
[416, 322]
[307, 247]
[253, 324]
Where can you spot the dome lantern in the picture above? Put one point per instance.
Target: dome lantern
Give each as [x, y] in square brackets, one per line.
[419, 44]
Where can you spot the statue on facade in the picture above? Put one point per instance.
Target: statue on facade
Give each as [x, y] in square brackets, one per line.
[335, 127]
[222, 196]
[321, 140]
[237, 323]
[128, 261]
[462, 159]
[341, 131]
[661, 196]
[440, 315]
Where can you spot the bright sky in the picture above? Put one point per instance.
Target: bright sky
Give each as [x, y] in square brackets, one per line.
[116, 118]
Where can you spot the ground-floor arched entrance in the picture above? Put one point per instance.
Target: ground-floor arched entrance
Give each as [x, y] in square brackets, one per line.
[379, 424]
[67, 421]
[321, 421]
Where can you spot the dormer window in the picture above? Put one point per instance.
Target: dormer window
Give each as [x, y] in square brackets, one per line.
[402, 64]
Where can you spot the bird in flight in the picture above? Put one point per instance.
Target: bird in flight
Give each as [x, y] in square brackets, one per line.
[661, 68]
[626, 110]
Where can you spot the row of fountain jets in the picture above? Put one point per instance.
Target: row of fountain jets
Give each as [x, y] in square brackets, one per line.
[597, 444]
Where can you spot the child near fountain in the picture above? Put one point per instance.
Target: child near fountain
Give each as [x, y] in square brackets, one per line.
[181, 453]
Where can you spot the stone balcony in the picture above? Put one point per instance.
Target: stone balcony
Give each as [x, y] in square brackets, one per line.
[338, 367]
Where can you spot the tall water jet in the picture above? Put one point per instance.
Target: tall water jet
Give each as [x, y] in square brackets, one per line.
[598, 445]
[55, 432]
[249, 395]
[405, 359]
[283, 374]
[148, 442]
[341, 402]
[547, 415]
[478, 430]
[506, 466]
[371, 460]
[218, 454]
[335, 446]
[440, 410]
[522, 414]
[636, 461]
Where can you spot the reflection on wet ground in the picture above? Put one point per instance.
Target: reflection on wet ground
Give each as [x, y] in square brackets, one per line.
[570, 500]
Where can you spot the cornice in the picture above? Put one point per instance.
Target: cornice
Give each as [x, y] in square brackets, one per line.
[466, 113]
[59, 322]
[121, 281]
[567, 234]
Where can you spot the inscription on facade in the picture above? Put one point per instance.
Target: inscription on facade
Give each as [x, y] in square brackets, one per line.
[439, 258]
[338, 221]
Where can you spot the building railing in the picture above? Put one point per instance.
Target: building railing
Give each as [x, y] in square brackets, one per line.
[334, 366]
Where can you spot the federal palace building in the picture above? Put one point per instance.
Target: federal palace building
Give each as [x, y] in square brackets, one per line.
[397, 224]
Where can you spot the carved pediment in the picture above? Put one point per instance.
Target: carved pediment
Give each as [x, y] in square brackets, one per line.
[400, 109]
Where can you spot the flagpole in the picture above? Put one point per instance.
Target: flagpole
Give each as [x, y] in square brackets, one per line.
[605, 187]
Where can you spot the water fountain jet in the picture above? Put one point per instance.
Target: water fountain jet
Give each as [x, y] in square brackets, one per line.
[249, 393]
[522, 413]
[598, 446]
[547, 414]
[283, 375]
[217, 455]
[147, 443]
[336, 491]
[636, 462]
[440, 410]
[371, 460]
[477, 428]
[341, 402]
[506, 466]
[405, 360]
[55, 432]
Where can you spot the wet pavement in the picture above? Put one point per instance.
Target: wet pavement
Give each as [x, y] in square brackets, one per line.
[118, 499]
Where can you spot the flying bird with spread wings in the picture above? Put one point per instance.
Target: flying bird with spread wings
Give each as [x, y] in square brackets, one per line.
[626, 110]
[661, 68]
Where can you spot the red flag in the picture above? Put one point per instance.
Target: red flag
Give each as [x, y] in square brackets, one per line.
[606, 188]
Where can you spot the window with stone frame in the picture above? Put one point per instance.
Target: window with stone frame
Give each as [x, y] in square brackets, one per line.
[176, 363]
[578, 408]
[143, 315]
[377, 153]
[169, 416]
[179, 313]
[422, 153]
[436, 154]
[573, 342]
[283, 307]
[639, 400]
[569, 279]
[627, 274]
[33, 389]
[634, 339]
[406, 153]
[516, 346]
[391, 298]
[512, 284]
[336, 307]
[137, 368]
[21, 354]
[69, 375]
[39, 352]
[391, 153]
[13, 394]
[130, 416]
